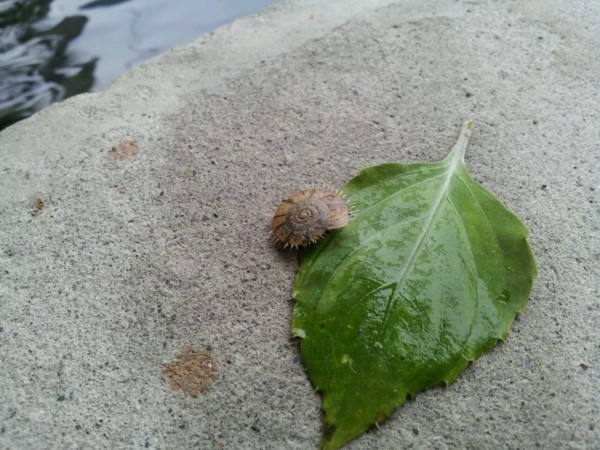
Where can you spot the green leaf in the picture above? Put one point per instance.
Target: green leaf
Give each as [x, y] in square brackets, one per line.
[429, 273]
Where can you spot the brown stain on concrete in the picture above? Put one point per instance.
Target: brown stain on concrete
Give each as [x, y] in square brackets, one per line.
[192, 371]
[37, 205]
[124, 149]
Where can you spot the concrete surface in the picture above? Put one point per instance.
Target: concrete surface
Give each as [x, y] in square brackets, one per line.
[110, 267]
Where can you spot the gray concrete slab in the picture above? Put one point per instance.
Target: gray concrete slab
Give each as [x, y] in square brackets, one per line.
[110, 267]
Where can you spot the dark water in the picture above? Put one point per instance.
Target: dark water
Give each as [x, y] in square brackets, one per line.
[53, 49]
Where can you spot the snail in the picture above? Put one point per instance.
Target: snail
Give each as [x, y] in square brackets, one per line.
[305, 216]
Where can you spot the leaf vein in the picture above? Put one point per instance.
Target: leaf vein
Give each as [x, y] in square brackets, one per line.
[346, 260]
[398, 192]
[465, 184]
[443, 193]
[379, 288]
[473, 267]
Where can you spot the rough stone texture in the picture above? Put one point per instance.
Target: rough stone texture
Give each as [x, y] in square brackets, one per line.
[124, 263]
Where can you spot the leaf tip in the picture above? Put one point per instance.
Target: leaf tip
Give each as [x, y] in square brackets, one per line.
[458, 151]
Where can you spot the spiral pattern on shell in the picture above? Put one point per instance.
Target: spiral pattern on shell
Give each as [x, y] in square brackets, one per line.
[305, 216]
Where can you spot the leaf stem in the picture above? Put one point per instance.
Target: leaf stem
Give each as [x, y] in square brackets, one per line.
[459, 149]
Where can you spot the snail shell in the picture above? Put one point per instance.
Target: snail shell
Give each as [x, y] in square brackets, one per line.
[305, 216]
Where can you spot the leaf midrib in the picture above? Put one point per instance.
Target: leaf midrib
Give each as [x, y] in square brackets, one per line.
[456, 157]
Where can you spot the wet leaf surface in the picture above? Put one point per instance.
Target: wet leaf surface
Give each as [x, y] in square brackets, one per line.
[430, 273]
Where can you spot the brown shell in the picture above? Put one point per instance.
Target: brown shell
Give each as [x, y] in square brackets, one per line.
[305, 216]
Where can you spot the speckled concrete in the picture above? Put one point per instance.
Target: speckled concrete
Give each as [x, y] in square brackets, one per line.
[124, 263]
